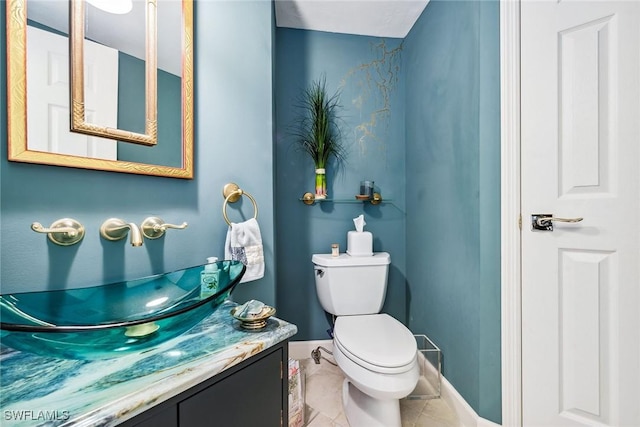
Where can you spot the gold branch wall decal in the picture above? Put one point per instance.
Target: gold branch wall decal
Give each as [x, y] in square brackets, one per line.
[376, 81]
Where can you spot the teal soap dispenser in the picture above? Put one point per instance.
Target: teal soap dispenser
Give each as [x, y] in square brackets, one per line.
[209, 278]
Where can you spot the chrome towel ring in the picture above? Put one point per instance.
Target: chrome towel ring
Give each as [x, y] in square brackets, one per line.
[232, 193]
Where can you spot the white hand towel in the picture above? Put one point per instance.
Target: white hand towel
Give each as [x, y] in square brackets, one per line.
[244, 244]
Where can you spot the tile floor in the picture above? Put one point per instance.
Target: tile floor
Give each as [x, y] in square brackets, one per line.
[324, 401]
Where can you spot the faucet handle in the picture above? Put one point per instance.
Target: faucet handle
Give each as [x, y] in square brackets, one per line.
[63, 232]
[154, 227]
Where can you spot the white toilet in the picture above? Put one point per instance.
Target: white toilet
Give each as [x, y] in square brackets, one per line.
[376, 353]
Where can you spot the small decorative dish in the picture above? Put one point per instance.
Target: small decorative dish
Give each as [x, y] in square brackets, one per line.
[362, 197]
[258, 321]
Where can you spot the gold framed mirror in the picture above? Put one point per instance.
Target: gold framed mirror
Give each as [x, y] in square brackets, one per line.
[29, 140]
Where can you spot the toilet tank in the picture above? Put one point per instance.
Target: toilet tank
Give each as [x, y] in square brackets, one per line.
[348, 285]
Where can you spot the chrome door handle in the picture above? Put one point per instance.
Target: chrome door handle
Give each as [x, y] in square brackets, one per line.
[544, 222]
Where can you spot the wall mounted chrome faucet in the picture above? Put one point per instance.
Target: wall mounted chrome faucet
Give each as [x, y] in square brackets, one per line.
[117, 229]
[63, 232]
[154, 227]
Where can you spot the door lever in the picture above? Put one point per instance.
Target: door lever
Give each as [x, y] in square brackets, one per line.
[544, 222]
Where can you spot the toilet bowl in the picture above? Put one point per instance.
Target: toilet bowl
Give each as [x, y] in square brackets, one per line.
[378, 357]
[376, 353]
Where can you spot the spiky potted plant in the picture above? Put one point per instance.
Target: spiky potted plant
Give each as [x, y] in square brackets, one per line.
[317, 131]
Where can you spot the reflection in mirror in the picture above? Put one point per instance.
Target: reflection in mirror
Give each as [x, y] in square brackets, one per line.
[139, 25]
[39, 126]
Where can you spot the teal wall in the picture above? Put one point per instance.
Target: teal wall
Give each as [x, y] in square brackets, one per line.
[367, 71]
[453, 164]
[233, 142]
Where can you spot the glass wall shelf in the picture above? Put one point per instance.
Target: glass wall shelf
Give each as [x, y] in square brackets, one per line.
[309, 199]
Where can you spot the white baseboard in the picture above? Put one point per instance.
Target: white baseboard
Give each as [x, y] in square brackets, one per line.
[466, 414]
[486, 423]
[302, 349]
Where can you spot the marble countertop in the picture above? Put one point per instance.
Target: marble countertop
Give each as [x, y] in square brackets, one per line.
[41, 391]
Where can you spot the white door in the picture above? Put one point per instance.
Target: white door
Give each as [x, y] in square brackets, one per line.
[48, 96]
[580, 94]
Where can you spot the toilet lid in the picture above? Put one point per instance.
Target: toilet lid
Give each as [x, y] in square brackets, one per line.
[377, 339]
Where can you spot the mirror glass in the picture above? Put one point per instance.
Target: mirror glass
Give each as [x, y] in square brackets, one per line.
[99, 54]
[112, 60]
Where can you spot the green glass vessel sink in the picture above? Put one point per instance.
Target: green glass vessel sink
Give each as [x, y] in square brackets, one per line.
[110, 320]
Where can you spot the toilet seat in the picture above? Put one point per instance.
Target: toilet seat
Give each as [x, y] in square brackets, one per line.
[377, 342]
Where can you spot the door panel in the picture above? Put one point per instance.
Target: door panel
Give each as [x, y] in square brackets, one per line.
[580, 91]
[584, 290]
[584, 100]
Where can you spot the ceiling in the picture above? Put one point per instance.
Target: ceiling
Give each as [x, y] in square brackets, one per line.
[379, 18]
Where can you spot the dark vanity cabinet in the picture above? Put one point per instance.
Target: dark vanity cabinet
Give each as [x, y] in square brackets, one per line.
[252, 393]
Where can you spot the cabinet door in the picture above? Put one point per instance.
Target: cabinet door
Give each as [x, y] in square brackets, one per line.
[168, 417]
[250, 397]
